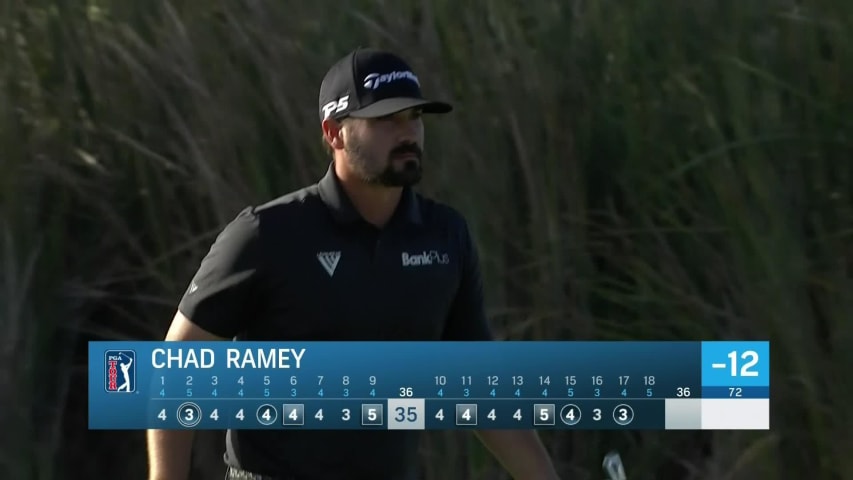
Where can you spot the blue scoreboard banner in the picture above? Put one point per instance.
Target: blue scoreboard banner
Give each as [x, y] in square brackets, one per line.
[430, 385]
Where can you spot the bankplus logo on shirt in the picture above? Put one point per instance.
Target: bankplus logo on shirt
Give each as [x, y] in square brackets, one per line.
[432, 257]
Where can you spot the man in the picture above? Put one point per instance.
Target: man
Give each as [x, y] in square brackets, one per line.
[328, 262]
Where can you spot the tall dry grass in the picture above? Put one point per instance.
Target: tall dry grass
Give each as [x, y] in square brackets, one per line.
[640, 170]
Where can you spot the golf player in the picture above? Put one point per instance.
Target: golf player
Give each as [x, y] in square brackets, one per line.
[356, 256]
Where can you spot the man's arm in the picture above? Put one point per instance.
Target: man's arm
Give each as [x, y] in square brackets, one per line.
[170, 451]
[219, 303]
[466, 320]
[520, 452]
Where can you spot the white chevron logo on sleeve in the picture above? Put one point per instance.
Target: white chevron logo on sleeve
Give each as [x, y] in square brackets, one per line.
[329, 261]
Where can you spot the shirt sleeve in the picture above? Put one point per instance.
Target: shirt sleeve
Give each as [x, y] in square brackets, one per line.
[467, 319]
[219, 298]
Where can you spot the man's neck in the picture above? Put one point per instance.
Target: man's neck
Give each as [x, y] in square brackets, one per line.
[376, 204]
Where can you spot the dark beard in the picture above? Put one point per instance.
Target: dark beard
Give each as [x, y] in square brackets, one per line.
[409, 175]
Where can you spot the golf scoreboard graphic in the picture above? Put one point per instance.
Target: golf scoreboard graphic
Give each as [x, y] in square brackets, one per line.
[430, 385]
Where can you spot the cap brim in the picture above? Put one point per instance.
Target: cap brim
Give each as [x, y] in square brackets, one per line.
[390, 106]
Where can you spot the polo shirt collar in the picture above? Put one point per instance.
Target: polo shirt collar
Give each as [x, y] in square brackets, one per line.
[343, 211]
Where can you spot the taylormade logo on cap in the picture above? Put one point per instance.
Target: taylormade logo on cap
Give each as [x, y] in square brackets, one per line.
[374, 80]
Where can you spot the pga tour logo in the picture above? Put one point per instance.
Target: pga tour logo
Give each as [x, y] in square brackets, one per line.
[426, 258]
[120, 371]
[374, 80]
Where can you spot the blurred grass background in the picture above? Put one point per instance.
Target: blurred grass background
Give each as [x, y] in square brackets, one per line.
[632, 170]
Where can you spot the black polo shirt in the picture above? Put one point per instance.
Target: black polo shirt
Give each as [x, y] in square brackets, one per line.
[307, 267]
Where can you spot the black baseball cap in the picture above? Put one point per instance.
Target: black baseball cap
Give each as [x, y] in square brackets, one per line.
[370, 83]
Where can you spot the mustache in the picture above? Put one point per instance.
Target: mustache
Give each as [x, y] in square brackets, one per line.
[407, 148]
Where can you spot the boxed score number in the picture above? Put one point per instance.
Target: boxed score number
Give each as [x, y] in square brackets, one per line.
[406, 414]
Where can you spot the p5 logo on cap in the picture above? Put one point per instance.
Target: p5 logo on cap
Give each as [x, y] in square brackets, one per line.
[335, 106]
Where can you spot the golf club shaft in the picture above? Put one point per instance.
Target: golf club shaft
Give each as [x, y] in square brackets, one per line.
[613, 467]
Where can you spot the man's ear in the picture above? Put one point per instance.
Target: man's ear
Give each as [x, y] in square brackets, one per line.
[333, 131]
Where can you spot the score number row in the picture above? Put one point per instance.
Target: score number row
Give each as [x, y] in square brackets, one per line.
[400, 414]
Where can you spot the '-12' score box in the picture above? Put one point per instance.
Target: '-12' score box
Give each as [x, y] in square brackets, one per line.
[430, 385]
